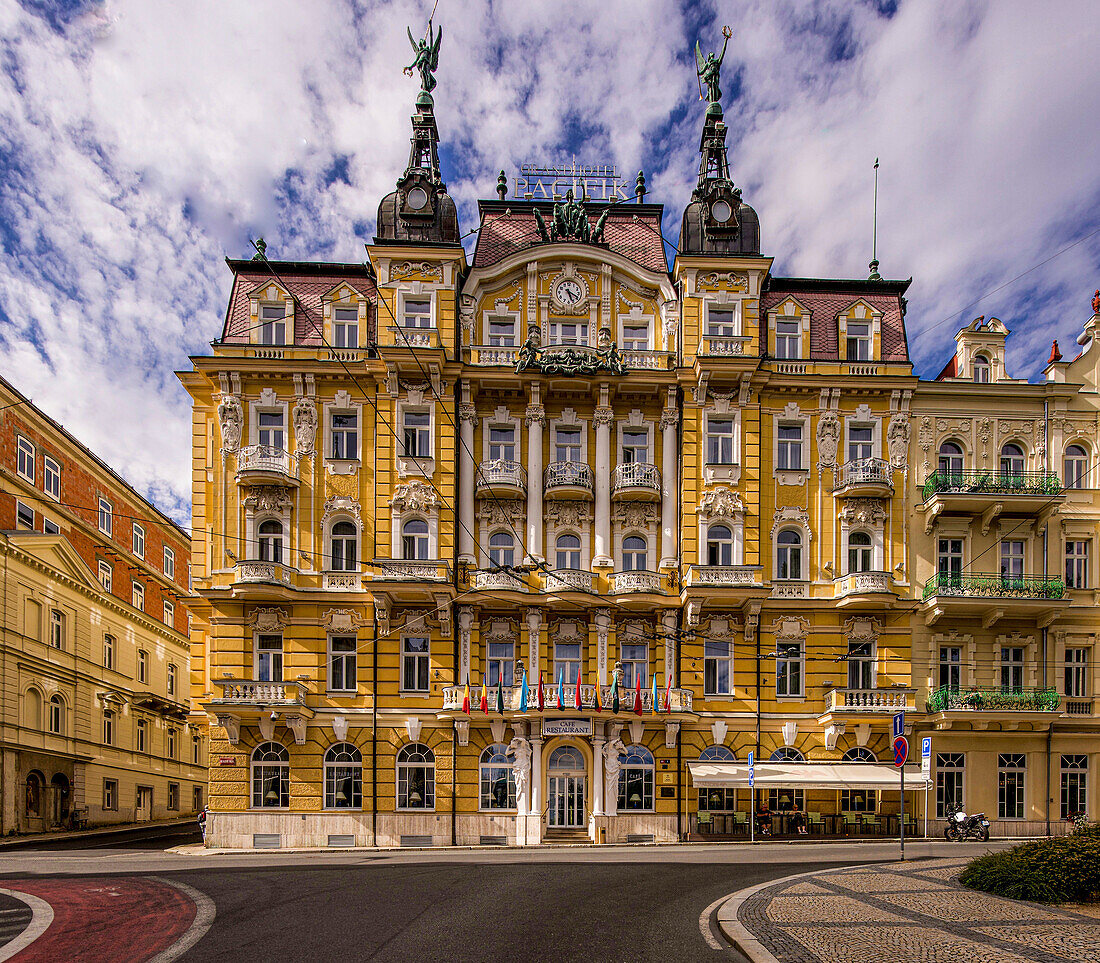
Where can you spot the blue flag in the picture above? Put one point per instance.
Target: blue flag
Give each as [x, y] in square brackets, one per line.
[561, 689]
[523, 693]
[654, 691]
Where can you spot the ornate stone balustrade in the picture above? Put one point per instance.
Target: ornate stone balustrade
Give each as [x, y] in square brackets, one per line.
[723, 575]
[404, 337]
[862, 583]
[342, 582]
[248, 692]
[501, 474]
[636, 477]
[790, 590]
[568, 580]
[427, 570]
[862, 370]
[499, 581]
[253, 571]
[493, 356]
[873, 472]
[453, 696]
[644, 359]
[570, 475]
[725, 346]
[265, 460]
[869, 700]
[791, 367]
[622, 582]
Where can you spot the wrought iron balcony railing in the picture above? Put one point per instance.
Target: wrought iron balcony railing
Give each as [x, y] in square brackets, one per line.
[995, 586]
[635, 475]
[991, 483]
[992, 698]
[568, 474]
[503, 473]
[865, 471]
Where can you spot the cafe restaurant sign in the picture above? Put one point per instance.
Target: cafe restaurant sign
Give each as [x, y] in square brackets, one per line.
[567, 727]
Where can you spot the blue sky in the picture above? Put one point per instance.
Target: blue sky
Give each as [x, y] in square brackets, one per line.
[142, 140]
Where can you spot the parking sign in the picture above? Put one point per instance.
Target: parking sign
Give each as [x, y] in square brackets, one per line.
[926, 756]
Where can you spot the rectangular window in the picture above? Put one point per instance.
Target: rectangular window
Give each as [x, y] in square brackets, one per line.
[108, 651]
[1074, 785]
[1011, 770]
[418, 314]
[171, 679]
[108, 727]
[861, 665]
[269, 658]
[24, 516]
[345, 435]
[501, 663]
[341, 663]
[788, 669]
[717, 668]
[417, 430]
[859, 341]
[110, 795]
[106, 516]
[1077, 564]
[635, 337]
[786, 340]
[1076, 668]
[858, 800]
[143, 666]
[502, 444]
[171, 742]
[173, 796]
[950, 667]
[50, 528]
[1012, 558]
[950, 561]
[139, 541]
[720, 441]
[721, 322]
[140, 729]
[1012, 668]
[137, 595]
[345, 327]
[567, 445]
[634, 657]
[271, 434]
[57, 628]
[106, 574]
[169, 563]
[860, 443]
[51, 478]
[24, 464]
[950, 768]
[786, 800]
[414, 665]
[717, 800]
[790, 448]
[196, 799]
[196, 750]
[502, 332]
[567, 661]
[636, 447]
[568, 332]
[169, 614]
[272, 324]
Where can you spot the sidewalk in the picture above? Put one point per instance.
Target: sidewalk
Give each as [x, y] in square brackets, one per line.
[910, 912]
[31, 839]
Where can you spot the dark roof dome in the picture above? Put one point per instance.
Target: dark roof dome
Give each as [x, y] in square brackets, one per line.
[696, 239]
[394, 223]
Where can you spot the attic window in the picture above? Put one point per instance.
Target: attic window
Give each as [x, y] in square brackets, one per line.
[981, 369]
[272, 324]
[859, 341]
[345, 324]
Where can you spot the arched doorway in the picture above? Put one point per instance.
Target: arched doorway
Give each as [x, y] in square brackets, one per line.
[60, 799]
[566, 788]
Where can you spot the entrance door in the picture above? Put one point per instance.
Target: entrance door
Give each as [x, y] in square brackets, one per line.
[566, 785]
[144, 804]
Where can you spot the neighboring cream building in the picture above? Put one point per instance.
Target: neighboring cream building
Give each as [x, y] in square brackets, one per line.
[93, 643]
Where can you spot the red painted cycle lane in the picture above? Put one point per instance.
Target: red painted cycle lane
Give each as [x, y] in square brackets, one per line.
[125, 920]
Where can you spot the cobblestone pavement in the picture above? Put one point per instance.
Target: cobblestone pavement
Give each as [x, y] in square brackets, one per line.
[913, 912]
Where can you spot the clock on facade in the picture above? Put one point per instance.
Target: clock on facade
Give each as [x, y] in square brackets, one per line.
[417, 199]
[721, 211]
[568, 291]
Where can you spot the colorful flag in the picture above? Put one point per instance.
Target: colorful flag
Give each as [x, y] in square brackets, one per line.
[466, 697]
[668, 693]
[561, 688]
[615, 693]
[539, 694]
[484, 704]
[656, 704]
[523, 693]
[599, 704]
[500, 694]
[638, 692]
[577, 693]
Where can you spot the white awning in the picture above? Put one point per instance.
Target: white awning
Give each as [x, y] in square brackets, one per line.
[804, 775]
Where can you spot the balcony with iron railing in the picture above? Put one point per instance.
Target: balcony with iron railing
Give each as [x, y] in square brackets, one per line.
[993, 699]
[502, 477]
[568, 480]
[266, 465]
[993, 597]
[568, 580]
[991, 493]
[865, 477]
[256, 572]
[623, 583]
[636, 481]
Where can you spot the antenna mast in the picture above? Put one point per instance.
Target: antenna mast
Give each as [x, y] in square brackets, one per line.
[875, 276]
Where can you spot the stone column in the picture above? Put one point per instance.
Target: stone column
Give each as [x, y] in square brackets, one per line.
[670, 477]
[535, 418]
[467, 550]
[604, 416]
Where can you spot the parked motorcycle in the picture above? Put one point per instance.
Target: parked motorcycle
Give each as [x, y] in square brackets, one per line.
[961, 826]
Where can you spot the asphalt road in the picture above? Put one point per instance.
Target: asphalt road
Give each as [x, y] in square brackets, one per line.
[607, 904]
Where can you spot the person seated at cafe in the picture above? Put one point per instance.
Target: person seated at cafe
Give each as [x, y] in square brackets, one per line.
[798, 822]
[764, 820]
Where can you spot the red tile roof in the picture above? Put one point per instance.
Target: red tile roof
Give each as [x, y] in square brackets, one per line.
[308, 283]
[632, 230]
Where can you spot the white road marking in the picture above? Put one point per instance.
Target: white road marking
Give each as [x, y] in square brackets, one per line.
[704, 924]
[204, 918]
[41, 918]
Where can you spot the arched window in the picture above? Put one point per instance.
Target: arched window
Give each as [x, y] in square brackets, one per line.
[271, 541]
[719, 545]
[1012, 460]
[270, 776]
[716, 754]
[32, 709]
[859, 754]
[415, 777]
[787, 754]
[498, 781]
[635, 556]
[343, 777]
[568, 549]
[783, 800]
[859, 552]
[57, 715]
[636, 780]
[414, 539]
[502, 549]
[950, 459]
[34, 794]
[1076, 466]
[789, 554]
[566, 759]
[344, 554]
[981, 369]
[715, 799]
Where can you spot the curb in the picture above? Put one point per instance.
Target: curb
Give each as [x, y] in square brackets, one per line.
[34, 839]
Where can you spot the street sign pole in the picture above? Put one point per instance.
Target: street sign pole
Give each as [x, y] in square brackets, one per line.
[926, 774]
[901, 821]
[752, 800]
[901, 753]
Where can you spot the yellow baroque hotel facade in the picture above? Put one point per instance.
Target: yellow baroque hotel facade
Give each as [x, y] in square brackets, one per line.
[539, 543]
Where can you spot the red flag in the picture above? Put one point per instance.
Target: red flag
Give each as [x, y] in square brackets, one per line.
[668, 694]
[577, 693]
[466, 697]
[540, 691]
[638, 692]
[484, 697]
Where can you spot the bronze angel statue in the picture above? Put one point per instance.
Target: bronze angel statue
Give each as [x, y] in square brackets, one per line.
[427, 57]
[710, 67]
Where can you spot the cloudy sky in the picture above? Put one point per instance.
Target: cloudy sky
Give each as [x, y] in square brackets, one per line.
[143, 140]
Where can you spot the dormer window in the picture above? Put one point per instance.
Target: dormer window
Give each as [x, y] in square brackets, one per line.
[859, 341]
[787, 340]
[981, 369]
[345, 327]
[272, 324]
[417, 314]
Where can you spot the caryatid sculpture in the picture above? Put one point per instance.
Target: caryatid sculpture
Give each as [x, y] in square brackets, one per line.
[519, 751]
[612, 749]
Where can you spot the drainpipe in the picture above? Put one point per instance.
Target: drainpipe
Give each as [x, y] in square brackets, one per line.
[374, 730]
[679, 783]
[1046, 567]
[1050, 739]
[454, 790]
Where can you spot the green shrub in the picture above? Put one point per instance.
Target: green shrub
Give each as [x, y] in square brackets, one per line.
[1061, 870]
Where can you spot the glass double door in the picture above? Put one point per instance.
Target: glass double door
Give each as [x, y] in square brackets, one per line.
[566, 801]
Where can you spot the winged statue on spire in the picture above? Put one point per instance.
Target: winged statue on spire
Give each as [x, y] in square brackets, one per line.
[709, 67]
[427, 57]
